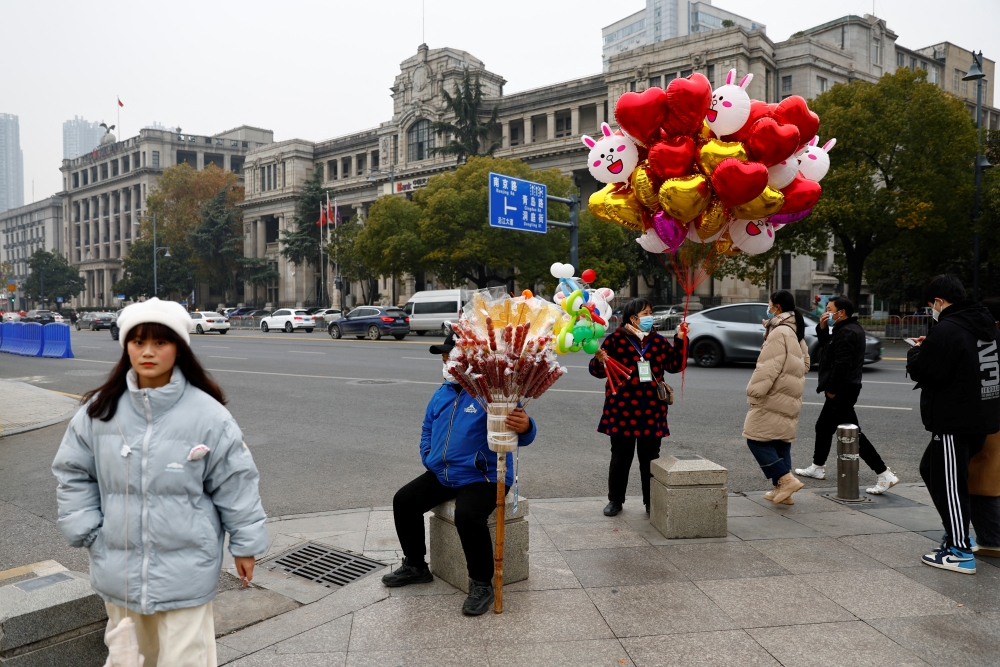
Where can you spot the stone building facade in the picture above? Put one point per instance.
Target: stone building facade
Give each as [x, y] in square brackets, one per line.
[23, 230]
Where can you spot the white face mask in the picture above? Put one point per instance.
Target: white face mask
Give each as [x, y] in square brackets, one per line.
[447, 376]
[935, 313]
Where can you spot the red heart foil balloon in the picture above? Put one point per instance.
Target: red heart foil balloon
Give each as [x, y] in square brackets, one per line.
[672, 157]
[800, 194]
[770, 143]
[794, 111]
[688, 100]
[758, 110]
[641, 114]
[737, 182]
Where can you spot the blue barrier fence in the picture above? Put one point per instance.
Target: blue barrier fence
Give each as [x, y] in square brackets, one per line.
[31, 339]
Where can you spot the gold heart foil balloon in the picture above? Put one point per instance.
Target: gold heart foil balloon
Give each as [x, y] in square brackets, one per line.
[596, 202]
[644, 187]
[625, 209]
[714, 151]
[685, 198]
[712, 220]
[765, 204]
[705, 132]
[724, 245]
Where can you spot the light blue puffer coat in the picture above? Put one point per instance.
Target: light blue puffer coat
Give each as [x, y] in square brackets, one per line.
[178, 509]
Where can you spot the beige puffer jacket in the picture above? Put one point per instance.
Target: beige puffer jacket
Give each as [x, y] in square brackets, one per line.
[775, 390]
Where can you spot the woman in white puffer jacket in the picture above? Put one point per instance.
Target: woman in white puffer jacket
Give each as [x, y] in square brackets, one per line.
[775, 396]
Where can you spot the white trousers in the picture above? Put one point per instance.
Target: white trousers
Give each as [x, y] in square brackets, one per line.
[177, 638]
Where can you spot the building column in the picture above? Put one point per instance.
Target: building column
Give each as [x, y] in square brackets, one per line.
[574, 115]
[95, 219]
[261, 238]
[528, 130]
[505, 134]
[107, 288]
[550, 124]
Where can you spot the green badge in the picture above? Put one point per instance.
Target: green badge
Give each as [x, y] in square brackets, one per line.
[645, 374]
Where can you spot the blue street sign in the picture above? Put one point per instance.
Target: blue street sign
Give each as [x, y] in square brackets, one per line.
[121, 297]
[517, 204]
[58, 299]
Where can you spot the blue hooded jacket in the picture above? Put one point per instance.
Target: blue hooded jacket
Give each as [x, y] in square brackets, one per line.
[453, 445]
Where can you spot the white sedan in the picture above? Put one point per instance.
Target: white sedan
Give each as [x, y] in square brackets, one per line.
[205, 322]
[288, 320]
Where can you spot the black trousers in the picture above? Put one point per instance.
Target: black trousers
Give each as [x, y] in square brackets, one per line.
[945, 470]
[840, 410]
[473, 505]
[622, 450]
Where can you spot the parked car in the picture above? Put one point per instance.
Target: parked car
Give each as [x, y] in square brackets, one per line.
[58, 318]
[114, 324]
[288, 319]
[328, 315]
[11, 317]
[430, 309]
[667, 317]
[40, 316]
[95, 321]
[204, 322]
[372, 322]
[244, 311]
[735, 333]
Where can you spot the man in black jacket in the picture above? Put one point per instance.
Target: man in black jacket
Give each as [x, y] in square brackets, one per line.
[957, 370]
[841, 360]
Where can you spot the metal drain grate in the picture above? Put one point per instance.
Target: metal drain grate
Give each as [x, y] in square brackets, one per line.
[324, 565]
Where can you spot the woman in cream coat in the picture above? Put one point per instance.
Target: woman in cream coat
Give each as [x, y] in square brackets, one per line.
[775, 396]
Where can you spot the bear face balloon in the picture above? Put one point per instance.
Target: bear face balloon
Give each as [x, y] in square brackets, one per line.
[783, 173]
[730, 105]
[752, 236]
[612, 157]
[814, 161]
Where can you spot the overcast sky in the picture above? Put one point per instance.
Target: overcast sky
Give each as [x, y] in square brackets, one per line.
[316, 70]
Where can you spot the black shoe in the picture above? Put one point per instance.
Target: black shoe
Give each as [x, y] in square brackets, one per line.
[612, 508]
[480, 598]
[647, 509]
[408, 574]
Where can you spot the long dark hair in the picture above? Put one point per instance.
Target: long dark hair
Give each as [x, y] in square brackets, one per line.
[105, 398]
[783, 299]
[633, 308]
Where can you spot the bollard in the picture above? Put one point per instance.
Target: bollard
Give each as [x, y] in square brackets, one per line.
[847, 462]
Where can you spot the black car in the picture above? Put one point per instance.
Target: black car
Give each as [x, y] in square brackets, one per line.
[40, 316]
[94, 321]
[372, 322]
[114, 324]
[245, 311]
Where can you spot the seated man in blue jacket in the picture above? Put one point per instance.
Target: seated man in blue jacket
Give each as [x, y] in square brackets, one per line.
[460, 466]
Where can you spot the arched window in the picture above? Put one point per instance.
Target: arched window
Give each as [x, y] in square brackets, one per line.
[419, 141]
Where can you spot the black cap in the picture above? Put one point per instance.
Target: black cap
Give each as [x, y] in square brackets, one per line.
[447, 346]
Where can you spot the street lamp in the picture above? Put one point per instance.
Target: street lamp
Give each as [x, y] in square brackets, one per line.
[975, 73]
[156, 251]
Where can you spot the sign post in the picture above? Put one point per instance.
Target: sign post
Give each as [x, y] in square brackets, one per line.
[523, 206]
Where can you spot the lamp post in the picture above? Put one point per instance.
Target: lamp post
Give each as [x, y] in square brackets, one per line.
[392, 190]
[975, 73]
[156, 251]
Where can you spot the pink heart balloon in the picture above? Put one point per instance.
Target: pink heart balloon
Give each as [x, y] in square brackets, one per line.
[669, 231]
[788, 218]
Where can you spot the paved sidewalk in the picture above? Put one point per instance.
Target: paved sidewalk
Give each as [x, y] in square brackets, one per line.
[816, 583]
[24, 407]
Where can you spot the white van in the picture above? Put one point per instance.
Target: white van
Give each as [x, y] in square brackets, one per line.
[430, 309]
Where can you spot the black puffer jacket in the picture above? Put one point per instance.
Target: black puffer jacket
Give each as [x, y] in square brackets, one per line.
[842, 355]
[958, 372]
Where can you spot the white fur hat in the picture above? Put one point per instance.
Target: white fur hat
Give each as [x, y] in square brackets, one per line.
[168, 313]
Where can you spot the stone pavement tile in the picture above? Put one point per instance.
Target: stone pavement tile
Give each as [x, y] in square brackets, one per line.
[240, 607]
[547, 570]
[740, 506]
[381, 540]
[823, 554]
[459, 656]
[770, 601]
[916, 518]
[381, 520]
[391, 558]
[538, 539]
[323, 523]
[605, 534]
[957, 640]
[892, 549]
[806, 502]
[437, 587]
[268, 659]
[914, 491]
[587, 653]
[353, 541]
[621, 567]
[658, 609]
[734, 560]
[330, 637]
[570, 511]
[847, 644]
[880, 594]
[726, 648]
[396, 624]
[978, 592]
[838, 524]
[279, 543]
[546, 616]
[225, 655]
[767, 528]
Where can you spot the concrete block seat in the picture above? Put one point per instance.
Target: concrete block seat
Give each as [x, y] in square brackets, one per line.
[688, 497]
[448, 559]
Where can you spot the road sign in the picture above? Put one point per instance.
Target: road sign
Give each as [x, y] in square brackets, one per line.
[121, 297]
[58, 299]
[11, 286]
[517, 204]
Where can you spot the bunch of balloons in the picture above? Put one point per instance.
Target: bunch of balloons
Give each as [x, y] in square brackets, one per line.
[588, 310]
[709, 166]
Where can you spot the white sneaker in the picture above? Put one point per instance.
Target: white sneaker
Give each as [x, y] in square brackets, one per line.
[814, 471]
[886, 481]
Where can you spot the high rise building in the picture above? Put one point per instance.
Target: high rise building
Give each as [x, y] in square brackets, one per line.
[11, 163]
[80, 136]
[666, 19]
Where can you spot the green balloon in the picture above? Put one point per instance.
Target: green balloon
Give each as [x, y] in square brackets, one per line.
[599, 330]
[581, 332]
[591, 346]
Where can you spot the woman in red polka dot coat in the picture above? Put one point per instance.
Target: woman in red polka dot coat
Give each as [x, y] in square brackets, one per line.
[635, 418]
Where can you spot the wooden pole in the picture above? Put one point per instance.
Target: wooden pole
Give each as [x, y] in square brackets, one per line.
[498, 550]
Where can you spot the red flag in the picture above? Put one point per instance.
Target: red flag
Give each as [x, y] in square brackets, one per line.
[120, 102]
[322, 216]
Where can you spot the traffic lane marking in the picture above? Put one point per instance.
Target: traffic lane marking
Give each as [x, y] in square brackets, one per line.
[240, 358]
[863, 381]
[430, 358]
[301, 352]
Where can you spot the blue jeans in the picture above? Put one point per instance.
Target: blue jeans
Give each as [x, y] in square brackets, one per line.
[774, 458]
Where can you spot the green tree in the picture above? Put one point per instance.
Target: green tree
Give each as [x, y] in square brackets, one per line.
[389, 244]
[217, 242]
[344, 249]
[607, 249]
[51, 277]
[301, 244]
[467, 132]
[172, 273]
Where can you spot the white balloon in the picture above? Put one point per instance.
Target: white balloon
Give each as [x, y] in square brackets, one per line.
[602, 298]
[752, 236]
[730, 105]
[613, 157]
[814, 161]
[783, 173]
[560, 270]
[651, 242]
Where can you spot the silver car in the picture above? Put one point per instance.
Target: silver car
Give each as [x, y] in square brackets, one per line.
[736, 332]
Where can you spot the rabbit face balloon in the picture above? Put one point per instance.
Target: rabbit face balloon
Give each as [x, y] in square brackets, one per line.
[752, 236]
[783, 173]
[612, 158]
[814, 161]
[730, 105]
